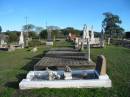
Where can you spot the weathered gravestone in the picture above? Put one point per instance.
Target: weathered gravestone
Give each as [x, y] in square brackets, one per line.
[21, 40]
[49, 37]
[101, 65]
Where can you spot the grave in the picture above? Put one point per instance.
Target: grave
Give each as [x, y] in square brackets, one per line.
[69, 75]
[66, 68]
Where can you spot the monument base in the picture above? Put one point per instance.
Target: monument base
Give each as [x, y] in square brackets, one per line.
[49, 43]
[38, 79]
[67, 75]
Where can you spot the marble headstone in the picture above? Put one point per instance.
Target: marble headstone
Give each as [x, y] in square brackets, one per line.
[21, 40]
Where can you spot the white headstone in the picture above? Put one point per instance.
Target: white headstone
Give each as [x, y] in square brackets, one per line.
[92, 36]
[21, 40]
[85, 32]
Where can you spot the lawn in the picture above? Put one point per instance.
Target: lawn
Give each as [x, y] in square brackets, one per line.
[15, 65]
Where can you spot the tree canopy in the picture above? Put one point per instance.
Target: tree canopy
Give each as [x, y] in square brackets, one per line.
[111, 24]
[0, 29]
[28, 27]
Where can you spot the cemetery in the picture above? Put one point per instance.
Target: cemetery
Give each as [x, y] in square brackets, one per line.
[65, 65]
[63, 77]
[64, 48]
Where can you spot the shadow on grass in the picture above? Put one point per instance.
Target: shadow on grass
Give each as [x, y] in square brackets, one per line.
[28, 67]
[15, 84]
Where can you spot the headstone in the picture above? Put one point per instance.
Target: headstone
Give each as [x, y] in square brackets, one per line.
[85, 36]
[101, 65]
[108, 42]
[85, 32]
[11, 48]
[76, 42]
[21, 40]
[92, 39]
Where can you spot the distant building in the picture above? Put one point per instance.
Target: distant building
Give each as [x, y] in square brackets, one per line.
[3, 40]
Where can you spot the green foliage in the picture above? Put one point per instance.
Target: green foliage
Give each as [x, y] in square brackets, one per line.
[13, 35]
[28, 27]
[111, 24]
[34, 43]
[43, 34]
[68, 30]
[38, 29]
[32, 34]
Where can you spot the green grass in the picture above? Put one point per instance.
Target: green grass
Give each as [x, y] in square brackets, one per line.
[15, 65]
[63, 43]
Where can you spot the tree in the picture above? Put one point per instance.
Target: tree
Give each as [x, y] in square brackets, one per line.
[68, 30]
[28, 27]
[38, 29]
[0, 29]
[111, 24]
[43, 34]
[13, 35]
[32, 34]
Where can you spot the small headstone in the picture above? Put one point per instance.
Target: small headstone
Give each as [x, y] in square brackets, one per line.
[101, 65]
[11, 48]
[34, 49]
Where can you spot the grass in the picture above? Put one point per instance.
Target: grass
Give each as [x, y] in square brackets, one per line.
[15, 65]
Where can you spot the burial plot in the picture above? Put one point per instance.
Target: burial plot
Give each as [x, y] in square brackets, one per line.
[67, 77]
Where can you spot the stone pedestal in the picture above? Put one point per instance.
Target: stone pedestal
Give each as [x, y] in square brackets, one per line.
[49, 43]
[67, 75]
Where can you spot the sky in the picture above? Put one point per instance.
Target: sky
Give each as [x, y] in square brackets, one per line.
[62, 13]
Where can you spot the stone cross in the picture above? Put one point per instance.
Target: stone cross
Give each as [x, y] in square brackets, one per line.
[85, 32]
